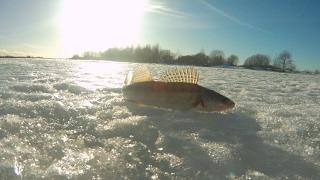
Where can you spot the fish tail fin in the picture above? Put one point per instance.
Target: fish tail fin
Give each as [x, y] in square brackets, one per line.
[140, 74]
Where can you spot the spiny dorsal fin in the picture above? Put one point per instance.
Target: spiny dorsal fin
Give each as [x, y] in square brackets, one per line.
[186, 75]
[140, 74]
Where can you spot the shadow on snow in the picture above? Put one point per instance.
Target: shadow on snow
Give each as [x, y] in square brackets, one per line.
[234, 129]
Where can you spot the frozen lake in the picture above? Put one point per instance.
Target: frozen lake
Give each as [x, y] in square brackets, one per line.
[68, 120]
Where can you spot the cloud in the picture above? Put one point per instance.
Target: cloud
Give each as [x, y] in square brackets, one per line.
[22, 49]
[161, 8]
[6, 52]
[231, 17]
[29, 49]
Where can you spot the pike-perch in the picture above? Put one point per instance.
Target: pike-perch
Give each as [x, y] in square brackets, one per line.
[177, 89]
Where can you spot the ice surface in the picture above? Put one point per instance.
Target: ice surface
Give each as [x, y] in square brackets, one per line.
[62, 119]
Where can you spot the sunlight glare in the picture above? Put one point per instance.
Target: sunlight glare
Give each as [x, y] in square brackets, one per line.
[95, 25]
[94, 75]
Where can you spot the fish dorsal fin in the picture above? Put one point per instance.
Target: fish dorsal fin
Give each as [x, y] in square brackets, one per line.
[140, 74]
[186, 75]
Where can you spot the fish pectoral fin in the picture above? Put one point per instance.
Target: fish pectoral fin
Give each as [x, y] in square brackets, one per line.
[197, 103]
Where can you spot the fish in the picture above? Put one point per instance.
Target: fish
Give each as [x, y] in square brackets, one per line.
[177, 89]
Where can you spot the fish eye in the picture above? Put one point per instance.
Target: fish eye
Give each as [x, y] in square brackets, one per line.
[225, 100]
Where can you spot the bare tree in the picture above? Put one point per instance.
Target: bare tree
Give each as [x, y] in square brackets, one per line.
[258, 60]
[216, 58]
[233, 60]
[284, 61]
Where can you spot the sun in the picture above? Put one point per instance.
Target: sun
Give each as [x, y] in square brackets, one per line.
[95, 25]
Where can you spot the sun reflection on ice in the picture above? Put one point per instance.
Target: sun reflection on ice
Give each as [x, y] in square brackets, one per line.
[94, 75]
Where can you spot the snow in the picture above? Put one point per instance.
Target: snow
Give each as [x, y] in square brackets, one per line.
[64, 119]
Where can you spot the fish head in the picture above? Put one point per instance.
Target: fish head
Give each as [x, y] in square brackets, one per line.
[213, 101]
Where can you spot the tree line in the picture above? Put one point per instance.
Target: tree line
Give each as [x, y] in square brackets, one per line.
[154, 54]
[8, 56]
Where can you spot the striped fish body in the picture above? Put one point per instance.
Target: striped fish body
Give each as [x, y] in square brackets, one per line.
[177, 89]
[171, 95]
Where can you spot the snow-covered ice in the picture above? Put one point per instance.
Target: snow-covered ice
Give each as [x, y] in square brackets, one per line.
[63, 119]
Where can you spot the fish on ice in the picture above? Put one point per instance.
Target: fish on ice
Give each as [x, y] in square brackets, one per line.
[177, 89]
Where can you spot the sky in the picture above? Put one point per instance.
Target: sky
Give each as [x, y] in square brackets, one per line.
[61, 28]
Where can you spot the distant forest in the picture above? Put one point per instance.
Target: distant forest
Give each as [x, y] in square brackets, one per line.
[154, 54]
[7, 56]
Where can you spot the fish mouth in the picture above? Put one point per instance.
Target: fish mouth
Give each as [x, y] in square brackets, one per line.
[220, 108]
[226, 106]
[231, 104]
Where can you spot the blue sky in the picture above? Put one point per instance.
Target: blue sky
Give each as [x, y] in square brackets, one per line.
[241, 27]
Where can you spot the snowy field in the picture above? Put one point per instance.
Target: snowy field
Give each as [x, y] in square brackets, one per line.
[68, 120]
